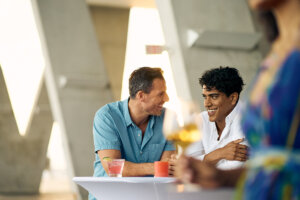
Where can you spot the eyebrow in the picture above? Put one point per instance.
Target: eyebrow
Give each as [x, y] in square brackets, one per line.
[212, 94]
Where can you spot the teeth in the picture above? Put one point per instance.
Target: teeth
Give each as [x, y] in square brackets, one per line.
[211, 110]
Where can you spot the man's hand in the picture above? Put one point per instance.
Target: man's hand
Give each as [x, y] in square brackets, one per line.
[172, 164]
[235, 151]
[232, 151]
[170, 156]
[190, 170]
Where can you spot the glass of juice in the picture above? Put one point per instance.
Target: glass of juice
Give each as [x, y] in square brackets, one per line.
[115, 167]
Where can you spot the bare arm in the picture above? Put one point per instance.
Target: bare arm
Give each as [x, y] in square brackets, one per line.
[130, 168]
[205, 174]
[232, 151]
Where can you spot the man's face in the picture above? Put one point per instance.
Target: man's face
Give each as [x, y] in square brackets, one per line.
[153, 102]
[218, 105]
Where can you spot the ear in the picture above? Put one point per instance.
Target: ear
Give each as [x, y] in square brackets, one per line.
[234, 98]
[140, 95]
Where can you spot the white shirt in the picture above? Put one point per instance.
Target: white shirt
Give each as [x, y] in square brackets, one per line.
[210, 142]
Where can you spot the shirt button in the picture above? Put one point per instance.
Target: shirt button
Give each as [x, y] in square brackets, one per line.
[139, 135]
[141, 152]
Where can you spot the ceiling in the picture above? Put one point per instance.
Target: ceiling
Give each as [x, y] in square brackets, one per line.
[123, 3]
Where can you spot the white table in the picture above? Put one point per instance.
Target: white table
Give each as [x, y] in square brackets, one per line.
[144, 188]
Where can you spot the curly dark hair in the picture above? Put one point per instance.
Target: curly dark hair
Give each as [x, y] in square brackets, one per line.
[142, 79]
[223, 79]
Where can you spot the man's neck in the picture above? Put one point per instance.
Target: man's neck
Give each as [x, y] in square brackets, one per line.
[220, 124]
[136, 113]
[220, 127]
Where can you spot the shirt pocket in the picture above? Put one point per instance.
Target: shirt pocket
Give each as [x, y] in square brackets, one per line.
[154, 152]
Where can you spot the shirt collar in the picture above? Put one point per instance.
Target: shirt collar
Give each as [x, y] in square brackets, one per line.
[232, 114]
[126, 113]
[151, 121]
[127, 116]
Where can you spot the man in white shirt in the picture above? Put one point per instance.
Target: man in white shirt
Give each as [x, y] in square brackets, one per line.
[222, 141]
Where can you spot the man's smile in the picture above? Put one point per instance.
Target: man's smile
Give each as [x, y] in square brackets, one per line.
[211, 111]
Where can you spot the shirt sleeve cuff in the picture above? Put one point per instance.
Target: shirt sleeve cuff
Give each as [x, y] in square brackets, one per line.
[169, 147]
[107, 146]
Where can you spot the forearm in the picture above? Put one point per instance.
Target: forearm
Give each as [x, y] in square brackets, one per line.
[143, 169]
[213, 157]
[137, 169]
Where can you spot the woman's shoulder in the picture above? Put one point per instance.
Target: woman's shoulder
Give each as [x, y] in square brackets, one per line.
[291, 66]
[295, 53]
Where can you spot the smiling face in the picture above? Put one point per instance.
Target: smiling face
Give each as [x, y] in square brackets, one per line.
[218, 105]
[152, 103]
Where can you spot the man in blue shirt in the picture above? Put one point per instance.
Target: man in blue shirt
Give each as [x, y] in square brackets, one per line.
[132, 129]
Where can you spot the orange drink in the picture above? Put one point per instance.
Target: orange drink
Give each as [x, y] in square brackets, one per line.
[161, 169]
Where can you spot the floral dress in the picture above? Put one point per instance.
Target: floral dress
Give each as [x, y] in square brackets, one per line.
[274, 165]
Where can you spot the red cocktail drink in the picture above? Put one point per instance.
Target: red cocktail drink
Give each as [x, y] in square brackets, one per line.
[115, 167]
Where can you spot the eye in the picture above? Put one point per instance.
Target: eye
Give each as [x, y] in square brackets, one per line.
[214, 97]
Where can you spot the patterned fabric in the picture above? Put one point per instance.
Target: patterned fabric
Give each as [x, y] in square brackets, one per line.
[274, 170]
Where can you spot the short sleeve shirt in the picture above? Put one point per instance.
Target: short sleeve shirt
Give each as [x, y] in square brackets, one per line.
[114, 129]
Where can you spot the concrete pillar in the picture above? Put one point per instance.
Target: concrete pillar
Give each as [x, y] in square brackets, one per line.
[111, 25]
[75, 77]
[23, 158]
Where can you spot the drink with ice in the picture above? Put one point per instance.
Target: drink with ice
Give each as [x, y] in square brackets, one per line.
[115, 167]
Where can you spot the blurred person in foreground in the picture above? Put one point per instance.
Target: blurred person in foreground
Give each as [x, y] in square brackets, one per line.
[222, 141]
[270, 119]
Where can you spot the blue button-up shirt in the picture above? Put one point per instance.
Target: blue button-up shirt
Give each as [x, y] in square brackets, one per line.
[114, 129]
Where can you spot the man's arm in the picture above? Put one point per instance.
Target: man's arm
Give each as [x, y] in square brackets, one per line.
[205, 174]
[130, 168]
[232, 151]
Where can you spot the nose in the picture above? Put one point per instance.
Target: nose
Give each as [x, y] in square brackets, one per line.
[166, 98]
[207, 102]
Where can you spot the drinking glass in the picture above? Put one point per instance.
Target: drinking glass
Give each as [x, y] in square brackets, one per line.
[182, 125]
[161, 169]
[115, 167]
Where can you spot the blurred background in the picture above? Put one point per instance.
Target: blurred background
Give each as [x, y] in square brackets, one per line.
[62, 60]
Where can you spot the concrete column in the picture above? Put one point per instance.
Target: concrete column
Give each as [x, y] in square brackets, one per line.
[111, 25]
[23, 158]
[75, 77]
